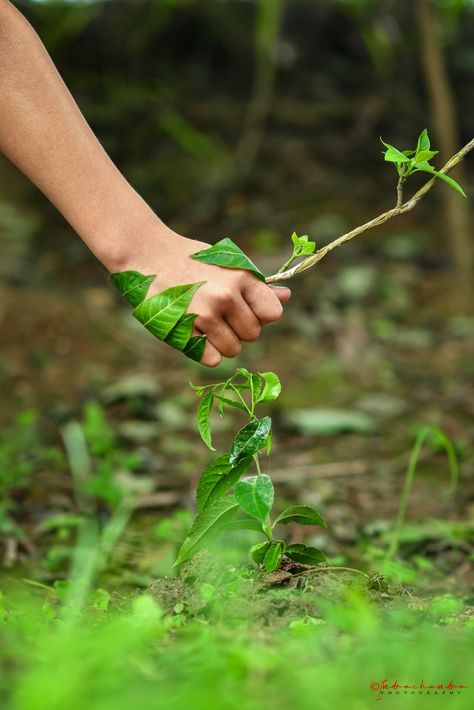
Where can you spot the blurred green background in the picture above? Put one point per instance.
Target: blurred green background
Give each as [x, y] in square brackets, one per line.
[251, 119]
[248, 118]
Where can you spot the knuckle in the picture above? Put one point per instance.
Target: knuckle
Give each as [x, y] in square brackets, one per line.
[205, 321]
[224, 296]
[252, 333]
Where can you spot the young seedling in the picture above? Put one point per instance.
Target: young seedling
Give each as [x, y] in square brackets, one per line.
[228, 500]
[225, 500]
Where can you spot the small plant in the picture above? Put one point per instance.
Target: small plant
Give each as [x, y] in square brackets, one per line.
[228, 501]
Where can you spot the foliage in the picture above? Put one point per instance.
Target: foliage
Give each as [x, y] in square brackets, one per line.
[226, 647]
[164, 314]
[226, 500]
[226, 253]
[408, 162]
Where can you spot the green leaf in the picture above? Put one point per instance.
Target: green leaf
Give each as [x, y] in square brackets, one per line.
[269, 443]
[160, 313]
[304, 554]
[426, 168]
[218, 478]
[199, 389]
[302, 514]
[425, 155]
[204, 418]
[195, 347]
[244, 524]
[308, 248]
[241, 372]
[302, 245]
[271, 389]
[250, 439]
[393, 155]
[255, 494]
[207, 526]
[257, 552]
[179, 336]
[229, 402]
[132, 285]
[226, 253]
[273, 557]
[423, 141]
[255, 387]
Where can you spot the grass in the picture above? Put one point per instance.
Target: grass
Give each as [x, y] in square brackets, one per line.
[218, 634]
[248, 651]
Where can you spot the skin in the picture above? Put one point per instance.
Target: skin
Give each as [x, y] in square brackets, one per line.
[43, 132]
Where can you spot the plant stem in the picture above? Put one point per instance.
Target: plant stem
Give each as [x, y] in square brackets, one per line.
[380, 219]
[257, 463]
[287, 264]
[400, 184]
[241, 399]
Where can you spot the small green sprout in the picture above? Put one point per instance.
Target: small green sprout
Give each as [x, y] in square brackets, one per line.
[408, 162]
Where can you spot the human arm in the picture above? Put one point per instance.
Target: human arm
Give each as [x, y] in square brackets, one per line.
[43, 132]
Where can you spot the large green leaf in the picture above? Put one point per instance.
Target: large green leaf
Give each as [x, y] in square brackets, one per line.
[304, 554]
[218, 478]
[204, 418]
[160, 313]
[179, 336]
[271, 389]
[226, 253]
[255, 494]
[207, 526]
[132, 285]
[302, 514]
[250, 439]
[273, 556]
[244, 524]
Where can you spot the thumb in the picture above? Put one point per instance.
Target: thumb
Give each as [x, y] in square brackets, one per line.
[282, 292]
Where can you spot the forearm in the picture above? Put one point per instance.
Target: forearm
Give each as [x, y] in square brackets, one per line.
[43, 132]
[45, 135]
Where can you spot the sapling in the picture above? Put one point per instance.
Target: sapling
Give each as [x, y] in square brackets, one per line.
[226, 499]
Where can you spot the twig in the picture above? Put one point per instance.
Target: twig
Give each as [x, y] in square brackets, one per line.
[381, 219]
[400, 184]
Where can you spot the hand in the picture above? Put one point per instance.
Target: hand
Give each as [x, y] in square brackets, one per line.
[232, 305]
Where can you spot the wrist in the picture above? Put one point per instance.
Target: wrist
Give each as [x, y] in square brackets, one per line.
[138, 242]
